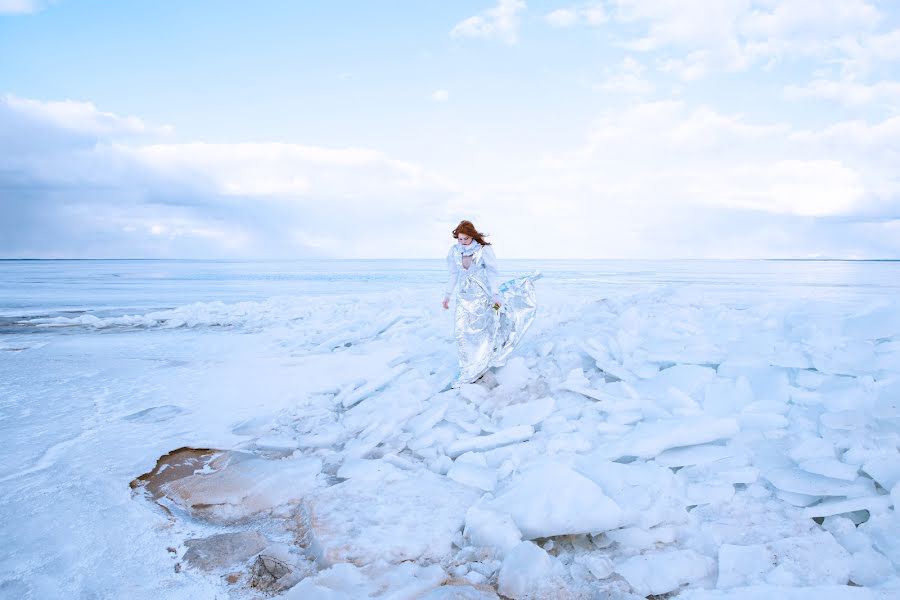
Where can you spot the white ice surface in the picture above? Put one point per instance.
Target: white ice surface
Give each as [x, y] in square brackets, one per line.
[772, 389]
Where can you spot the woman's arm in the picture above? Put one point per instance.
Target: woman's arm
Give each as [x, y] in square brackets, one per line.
[454, 274]
[492, 271]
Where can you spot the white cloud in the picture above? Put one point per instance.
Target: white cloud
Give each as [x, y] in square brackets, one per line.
[562, 17]
[657, 179]
[144, 198]
[627, 78]
[501, 21]
[850, 93]
[591, 13]
[650, 179]
[79, 117]
[18, 7]
[440, 95]
[704, 36]
[811, 19]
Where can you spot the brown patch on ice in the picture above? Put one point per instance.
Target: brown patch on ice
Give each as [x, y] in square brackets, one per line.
[227, 487]
[170, 467]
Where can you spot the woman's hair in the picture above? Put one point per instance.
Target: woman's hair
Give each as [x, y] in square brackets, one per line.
[466, 228]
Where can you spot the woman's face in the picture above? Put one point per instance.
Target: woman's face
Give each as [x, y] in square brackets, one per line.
[464, 239]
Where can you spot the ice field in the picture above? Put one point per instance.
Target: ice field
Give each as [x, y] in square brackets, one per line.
[211, 429]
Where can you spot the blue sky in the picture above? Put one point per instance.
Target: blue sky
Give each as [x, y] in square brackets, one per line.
[614, 128]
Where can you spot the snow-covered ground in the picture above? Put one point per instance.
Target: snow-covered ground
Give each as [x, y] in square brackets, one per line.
[701, 428]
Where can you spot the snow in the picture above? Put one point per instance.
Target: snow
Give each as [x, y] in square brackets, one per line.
[710, 430]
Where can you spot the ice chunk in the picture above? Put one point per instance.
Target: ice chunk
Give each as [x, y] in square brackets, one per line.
[649, 439]
[709, 492]
[527, 413]
[415, 516]
[553, 499]
[870, 568]
[460, 592]
[472, 458]
[694, 455]
[741, 565]
[839, 507]
[884, 469]
[637, 538]
[489, 528]
[831, 467]
[223, 550]
[347, 582]
[796, 561]
[422, 423]
[514, 374]
[687, 378]
[801, 482]
[873, 323]
[882, 529]
[528, 572]
[797, 499]
[647, 493]
[483, 478]
[664, 572]
[780, 592]
[847, 534]
[511, 435]
[726, 396]
[369, 470]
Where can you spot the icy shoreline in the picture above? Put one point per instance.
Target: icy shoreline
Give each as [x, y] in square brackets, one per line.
[639, 444]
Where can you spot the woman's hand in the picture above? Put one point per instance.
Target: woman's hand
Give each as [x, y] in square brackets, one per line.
[446, 303]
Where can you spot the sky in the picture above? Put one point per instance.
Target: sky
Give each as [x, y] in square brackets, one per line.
[360, 129]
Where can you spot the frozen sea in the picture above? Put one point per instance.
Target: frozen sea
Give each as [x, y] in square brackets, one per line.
[708, 429]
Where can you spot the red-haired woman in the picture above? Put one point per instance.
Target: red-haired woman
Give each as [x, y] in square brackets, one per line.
[490, 317]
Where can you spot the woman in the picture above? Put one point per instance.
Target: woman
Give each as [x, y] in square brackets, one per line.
[490, 317]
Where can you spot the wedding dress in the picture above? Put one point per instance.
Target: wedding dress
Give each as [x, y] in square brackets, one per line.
[485, 336]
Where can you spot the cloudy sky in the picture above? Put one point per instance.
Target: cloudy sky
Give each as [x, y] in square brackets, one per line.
[354, 128]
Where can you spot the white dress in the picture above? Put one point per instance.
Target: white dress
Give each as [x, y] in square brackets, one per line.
[485, 337]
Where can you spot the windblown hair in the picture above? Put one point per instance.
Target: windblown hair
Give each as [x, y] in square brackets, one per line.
[467, 228]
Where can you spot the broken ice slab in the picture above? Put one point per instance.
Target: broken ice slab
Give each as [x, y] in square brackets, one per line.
[839, 507]
[666, 571]
[353, 397]
[395, 518]
[687, 378]
[694, 455]
[605, 363]
[649, 439]
[487, 442]
[483, 478]
[578, 383]
[794, 561]
[801, 482]
[552, 499]
[884, 469]
[800, 500]
[526, 413]
[830, 467]
[714, 492]
[639, 539]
